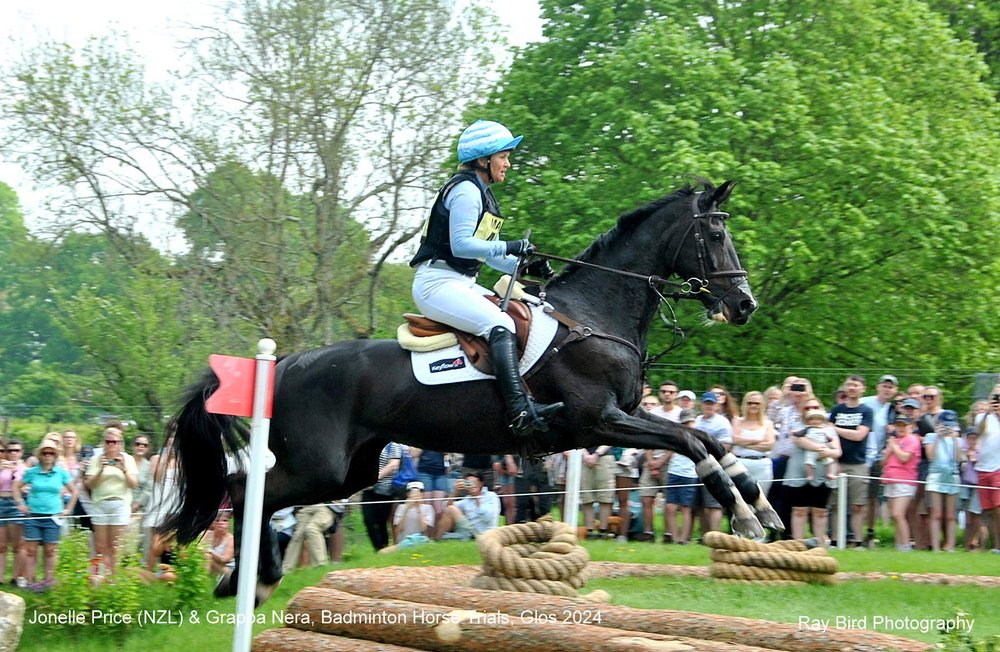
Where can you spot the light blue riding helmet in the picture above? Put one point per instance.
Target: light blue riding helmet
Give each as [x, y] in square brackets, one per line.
[485, 138]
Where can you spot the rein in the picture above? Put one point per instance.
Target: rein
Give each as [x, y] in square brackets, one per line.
[689, 289]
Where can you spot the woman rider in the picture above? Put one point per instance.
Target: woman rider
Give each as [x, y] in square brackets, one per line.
[460, 235]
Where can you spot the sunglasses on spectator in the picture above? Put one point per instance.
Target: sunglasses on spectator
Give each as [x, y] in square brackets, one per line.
[141, 443]
[930, 397]
[47, 453]
[112, 441]
[753, 402]
[14, 450]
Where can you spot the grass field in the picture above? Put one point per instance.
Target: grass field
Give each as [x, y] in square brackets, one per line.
[855, 600]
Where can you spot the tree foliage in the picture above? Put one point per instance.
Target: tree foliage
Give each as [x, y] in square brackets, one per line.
[861, 134]
[295, 151]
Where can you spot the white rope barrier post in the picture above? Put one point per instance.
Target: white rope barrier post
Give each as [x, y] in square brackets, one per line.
[842, 511]
[260, 427]
[574, 469]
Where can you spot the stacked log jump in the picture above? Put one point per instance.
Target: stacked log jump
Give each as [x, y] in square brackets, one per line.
[406, 608]
[782, 562]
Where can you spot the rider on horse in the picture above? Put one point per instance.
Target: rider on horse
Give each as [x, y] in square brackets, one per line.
[461, 233]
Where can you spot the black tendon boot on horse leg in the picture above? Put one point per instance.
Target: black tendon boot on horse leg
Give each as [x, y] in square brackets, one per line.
[751, 492]
[526, 416]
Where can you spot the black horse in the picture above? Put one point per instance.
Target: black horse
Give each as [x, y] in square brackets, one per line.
[336, 407]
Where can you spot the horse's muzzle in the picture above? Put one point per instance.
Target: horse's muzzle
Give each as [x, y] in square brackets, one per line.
[744, 308]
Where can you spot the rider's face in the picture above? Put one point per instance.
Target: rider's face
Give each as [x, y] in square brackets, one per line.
[499, 164]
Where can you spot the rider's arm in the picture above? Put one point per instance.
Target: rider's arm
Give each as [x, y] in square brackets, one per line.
[465, 205]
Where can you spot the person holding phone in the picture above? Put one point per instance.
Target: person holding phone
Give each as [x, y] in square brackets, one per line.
[787, 418]
[110, 479]
[984, 445]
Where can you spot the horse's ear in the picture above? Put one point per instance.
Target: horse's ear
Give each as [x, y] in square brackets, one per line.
[721, 193]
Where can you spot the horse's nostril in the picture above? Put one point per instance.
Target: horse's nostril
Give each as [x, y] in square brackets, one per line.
[747, 306]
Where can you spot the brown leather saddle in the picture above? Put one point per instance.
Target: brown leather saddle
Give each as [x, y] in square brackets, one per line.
[476, 348]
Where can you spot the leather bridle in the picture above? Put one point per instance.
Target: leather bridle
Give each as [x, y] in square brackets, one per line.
[692, 288]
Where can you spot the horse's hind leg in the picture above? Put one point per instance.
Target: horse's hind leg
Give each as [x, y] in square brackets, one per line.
[744, 482]
[642, 431]
[750, 491]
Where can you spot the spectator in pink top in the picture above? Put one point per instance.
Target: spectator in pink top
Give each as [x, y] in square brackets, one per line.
[899, 475]
[11, 531]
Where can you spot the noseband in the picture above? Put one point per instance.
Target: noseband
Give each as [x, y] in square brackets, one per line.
[700, 284]
[692, 288]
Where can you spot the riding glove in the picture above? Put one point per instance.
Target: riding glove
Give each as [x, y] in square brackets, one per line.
[520, 247]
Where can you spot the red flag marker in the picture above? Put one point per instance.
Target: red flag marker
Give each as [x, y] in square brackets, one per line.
[236, 380]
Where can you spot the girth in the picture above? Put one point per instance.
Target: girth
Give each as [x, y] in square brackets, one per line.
[476, 347]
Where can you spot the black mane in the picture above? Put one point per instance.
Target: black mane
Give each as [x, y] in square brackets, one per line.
[627, 222]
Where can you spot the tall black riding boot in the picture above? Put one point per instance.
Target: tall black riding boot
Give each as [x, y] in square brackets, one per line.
[526, 416]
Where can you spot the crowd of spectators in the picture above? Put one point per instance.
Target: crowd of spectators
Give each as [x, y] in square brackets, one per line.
[905, 456]
[908, 461]
[67, 484]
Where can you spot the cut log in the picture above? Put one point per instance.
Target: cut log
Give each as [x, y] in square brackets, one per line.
[412, 584]
[467, 629]
[286, 639]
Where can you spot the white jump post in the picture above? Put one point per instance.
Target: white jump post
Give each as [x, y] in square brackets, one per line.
[841, 512]
[260, 427]
[574, 470]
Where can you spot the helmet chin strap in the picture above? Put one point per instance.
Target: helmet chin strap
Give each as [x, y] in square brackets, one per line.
[488, 169]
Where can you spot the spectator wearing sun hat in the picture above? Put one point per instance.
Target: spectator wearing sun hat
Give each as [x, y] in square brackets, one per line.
[44, 508]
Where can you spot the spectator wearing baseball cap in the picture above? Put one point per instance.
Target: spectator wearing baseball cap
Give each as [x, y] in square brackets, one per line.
[682, 490]
[413, 522]
[899, 475]
[685, 399]
[719, 428]
[943, 450]
[883, 413]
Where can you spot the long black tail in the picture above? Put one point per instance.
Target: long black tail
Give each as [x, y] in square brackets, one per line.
[201, 441]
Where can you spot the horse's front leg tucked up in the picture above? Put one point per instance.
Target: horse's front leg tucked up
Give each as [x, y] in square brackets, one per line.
[645, 431]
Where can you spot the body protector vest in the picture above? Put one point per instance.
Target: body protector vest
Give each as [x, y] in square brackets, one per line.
[435, 242]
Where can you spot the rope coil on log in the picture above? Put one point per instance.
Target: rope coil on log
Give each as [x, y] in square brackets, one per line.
[743, 560]
[537, 557]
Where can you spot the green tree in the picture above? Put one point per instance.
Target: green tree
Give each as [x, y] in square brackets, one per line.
[862, 136]
[333, 116]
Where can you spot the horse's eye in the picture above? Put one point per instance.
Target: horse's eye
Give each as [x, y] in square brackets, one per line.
[717, 236]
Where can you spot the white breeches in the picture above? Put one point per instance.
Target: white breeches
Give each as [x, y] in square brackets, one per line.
[455, 299]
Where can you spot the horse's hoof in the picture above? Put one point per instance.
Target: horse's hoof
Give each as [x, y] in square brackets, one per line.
[748, 528]
[769, 518]
[264, 592]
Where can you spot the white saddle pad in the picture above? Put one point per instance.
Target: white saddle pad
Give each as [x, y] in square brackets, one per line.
[450, 365]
